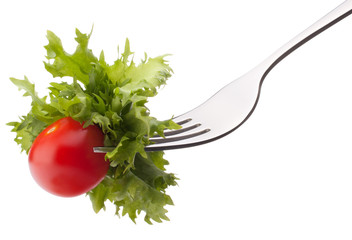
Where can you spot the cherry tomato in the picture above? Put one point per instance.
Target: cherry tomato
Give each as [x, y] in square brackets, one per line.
[62, 161]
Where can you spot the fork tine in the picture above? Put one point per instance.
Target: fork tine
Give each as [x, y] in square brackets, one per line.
[182, 122]
[156, 141]
[178, 138]
[178, 131]
[185, 123]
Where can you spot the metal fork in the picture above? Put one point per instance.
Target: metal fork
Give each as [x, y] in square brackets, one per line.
[230, 107]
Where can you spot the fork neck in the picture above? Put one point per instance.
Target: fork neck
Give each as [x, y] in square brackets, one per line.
[333, 17]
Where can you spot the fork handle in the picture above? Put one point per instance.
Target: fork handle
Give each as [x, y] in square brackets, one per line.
[333, 17]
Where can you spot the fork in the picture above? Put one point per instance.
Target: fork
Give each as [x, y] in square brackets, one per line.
[232, 105]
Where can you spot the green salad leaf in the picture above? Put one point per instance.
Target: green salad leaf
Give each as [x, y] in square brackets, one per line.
[113, 97]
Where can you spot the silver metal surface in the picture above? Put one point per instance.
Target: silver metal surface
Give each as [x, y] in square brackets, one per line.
[230, 107]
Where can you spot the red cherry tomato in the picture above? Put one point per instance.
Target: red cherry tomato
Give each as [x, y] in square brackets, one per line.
[62, 161]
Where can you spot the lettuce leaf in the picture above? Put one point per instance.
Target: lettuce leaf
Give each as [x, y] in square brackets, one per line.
[113, 97]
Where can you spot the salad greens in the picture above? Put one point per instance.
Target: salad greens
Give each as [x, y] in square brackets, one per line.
[113, 97]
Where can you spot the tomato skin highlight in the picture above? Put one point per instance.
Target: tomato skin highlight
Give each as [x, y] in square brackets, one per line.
[62, 161]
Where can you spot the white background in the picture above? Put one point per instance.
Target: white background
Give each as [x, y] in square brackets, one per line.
[285, 174]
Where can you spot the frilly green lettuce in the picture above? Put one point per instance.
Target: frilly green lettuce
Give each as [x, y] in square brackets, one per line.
[113, 97]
